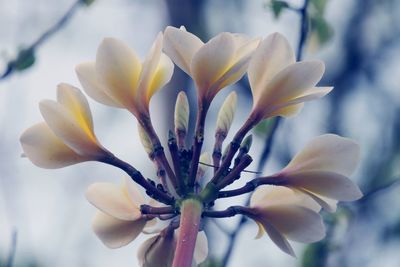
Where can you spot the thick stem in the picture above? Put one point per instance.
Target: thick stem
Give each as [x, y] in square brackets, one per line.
[191, 210]
[203, 106]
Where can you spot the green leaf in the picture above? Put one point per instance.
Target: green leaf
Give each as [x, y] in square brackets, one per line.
[277, 7]
[319, 5]
[264, 127]
[87, 2]
[322, 28]
[25, 59]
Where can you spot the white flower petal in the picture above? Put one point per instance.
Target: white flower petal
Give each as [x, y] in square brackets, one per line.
[201, 248]
[92, 86]
[133, 192]
[71, 128]
[211, 62]
[266, 196]
[144, 248]
[272, 55]
[294, 222]
[76, 103]
[118, 67]
[181, 46]
[330, 184]
[330, 205]
[288, 84]
[46, 150]
[279, 239]
[327, 152]
[112, 200]
[115, 233]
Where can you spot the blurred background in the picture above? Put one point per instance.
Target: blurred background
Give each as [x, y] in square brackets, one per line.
[44, 217]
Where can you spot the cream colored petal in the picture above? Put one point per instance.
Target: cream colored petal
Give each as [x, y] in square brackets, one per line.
[266, 196]
[294, 222]
[278, 238]
[144, 248]
[76, 103]
[330, 205]
[271, 56]
[158, 251]
[181, 46]
[133, 192]
[112, 200]
[118, 67]
[290, 83]
[71, 129]
[239, 66]
[212, 61]
[161, 77]
[155, 226]
[327, 152]
[325, 183]
[286, 111]
[46, 150]
[201, 248]
[92, 86]
[115, 233]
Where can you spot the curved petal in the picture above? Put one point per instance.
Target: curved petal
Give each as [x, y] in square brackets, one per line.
[70, 128]
[115, 233]
[330, 205]
[330, 184]
[266, 196]
[327, 152]
[46, 150]
[157, 251]
[87, 76]
[211, 61]
[290, 83]
[76, 103]
[294, 222]
[201, 248]
[181, 46]
[144, 248]
[278, 238]
[238, 68]
[272, 55]
[119, 68]
[132, 191]
[113, 201]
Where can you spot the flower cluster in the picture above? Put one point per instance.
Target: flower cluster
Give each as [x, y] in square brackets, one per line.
[285, 205]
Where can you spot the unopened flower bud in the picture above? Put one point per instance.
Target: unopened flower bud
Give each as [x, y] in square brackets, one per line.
[181, 112]
[205, 159]
[226, 114]
[145, 140]
[246, 144]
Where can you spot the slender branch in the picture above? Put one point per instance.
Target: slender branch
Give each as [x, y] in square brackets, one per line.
[158, 149]
[250, 186]
[229, 212]
[376, 191]
[303, 29]
[12, 65]
[203, 106]
[151, 190]
[150, 210]
[173, 148]
[235, 173]
[210, 165]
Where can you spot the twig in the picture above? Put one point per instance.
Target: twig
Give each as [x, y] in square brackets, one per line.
[378, 190]
[12, 65]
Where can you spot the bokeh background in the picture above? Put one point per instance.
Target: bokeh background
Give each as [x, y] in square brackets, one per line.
[44, 217]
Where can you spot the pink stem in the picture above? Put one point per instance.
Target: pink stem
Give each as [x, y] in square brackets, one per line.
[191, 210]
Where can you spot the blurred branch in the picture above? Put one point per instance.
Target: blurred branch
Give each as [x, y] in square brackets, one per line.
[269, 141]
[26, 56]
[13, 249]
[378, 190]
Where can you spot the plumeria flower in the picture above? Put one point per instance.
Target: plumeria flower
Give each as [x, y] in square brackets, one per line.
[67, 136]
[285, 214]
[119, 220]
[118, 78]
[321, 170]
[221, 61]
[279, 84]
[158, 251]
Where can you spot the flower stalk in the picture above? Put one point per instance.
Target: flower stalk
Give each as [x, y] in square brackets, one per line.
[191, 211]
